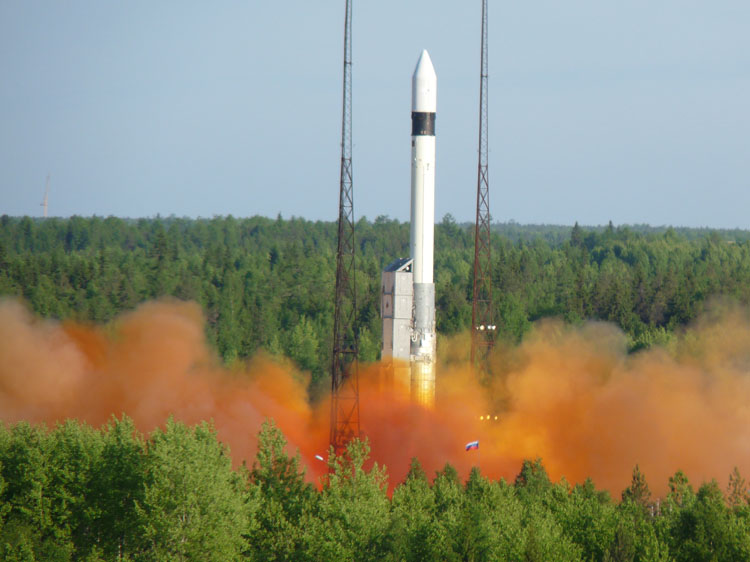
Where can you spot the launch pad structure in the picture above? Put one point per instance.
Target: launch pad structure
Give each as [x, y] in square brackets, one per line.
[407, 287]
[396, 304]
[344, 364]
[482, 325]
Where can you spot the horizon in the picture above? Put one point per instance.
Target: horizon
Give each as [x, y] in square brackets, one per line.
[463, 223]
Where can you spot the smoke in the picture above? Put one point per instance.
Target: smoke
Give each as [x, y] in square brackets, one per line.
[572, 396]
[576, 399]
[150, 364]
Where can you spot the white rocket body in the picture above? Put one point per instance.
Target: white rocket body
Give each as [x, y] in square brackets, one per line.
[423, 341]
[423, 107]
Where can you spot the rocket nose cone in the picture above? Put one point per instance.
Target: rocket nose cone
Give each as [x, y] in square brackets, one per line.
[424, 65]
[424, 85]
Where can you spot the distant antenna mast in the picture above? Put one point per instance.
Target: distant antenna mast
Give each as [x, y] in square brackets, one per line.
[483, 328]
[45, 201]
[344, 367]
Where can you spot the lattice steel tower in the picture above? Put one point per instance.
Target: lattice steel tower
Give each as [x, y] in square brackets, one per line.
[483, 327]
[344, 367]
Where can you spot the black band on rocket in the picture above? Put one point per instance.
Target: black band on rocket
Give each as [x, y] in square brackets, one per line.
[422, 124]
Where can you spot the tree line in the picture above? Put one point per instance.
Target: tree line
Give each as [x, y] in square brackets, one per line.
[268, 283]
[78, 493]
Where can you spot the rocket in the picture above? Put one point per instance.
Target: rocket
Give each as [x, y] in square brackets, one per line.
[423, 340]
[407, 292]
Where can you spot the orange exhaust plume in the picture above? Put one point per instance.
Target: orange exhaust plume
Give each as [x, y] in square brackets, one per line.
[571, 396]
[151, 364]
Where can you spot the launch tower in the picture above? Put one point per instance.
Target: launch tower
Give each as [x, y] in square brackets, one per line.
[344, 367]
[483, 328]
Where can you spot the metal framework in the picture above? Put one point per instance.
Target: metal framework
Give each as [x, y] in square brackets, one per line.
[344, 367]
[483, 327]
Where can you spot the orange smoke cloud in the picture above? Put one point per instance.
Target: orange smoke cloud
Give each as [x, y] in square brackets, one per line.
[577, 399]
[150, 364]
[571, 396]
[588, 409]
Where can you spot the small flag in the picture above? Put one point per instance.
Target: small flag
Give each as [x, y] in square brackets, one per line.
[472, 445]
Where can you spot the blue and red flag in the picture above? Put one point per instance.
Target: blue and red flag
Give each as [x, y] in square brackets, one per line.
[472, 445]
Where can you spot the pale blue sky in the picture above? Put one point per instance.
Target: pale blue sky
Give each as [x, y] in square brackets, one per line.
[635, 112]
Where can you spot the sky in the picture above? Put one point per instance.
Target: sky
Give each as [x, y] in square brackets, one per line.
[631, 112]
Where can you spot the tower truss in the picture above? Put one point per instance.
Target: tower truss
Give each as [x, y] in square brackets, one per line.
[344, 365]
[483, 326]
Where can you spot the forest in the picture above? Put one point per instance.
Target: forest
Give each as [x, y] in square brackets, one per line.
[73, 492]
[76, 493]
[268, 283]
